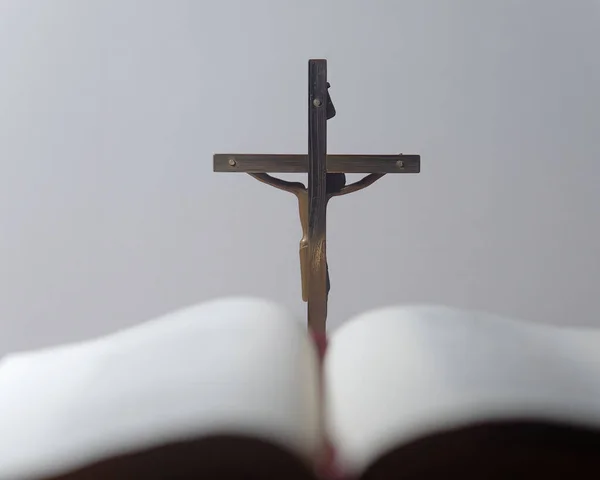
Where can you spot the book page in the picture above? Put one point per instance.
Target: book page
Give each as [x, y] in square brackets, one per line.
[231, 366]
[400, 373]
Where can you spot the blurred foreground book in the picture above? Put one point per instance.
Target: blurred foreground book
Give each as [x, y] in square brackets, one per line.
[234, 388]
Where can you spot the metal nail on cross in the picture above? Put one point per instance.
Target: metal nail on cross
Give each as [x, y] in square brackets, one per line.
[326, 179]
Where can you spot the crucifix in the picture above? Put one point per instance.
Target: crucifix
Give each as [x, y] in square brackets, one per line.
[326, 179]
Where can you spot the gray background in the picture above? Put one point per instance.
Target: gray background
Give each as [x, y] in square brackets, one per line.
[111, 111]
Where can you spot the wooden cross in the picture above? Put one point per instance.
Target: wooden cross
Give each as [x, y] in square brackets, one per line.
[313, 200]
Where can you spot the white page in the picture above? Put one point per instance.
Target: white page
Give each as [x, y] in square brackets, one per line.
[232, 366]
[396, 374]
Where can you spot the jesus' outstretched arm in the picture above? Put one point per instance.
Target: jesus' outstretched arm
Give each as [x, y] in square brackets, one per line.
[356, 186]
[293, 187]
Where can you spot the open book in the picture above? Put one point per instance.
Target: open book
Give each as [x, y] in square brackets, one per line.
[233, 388]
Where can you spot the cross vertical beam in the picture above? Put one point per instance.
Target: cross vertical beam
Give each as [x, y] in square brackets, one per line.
[317, 194]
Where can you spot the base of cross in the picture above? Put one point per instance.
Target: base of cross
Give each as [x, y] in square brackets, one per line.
[320, 340]
[327, 468]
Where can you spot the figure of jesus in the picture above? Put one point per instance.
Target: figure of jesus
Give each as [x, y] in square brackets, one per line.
[336, 186]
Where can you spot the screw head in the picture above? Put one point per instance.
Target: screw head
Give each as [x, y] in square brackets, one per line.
[317, 102]
[232, 162]
[400, 163]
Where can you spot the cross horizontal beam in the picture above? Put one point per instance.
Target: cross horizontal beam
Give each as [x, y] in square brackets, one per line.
[250, 163]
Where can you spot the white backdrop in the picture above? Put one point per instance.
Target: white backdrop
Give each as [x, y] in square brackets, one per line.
[111, 111]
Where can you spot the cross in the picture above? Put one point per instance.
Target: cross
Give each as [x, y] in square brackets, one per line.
[323, 170]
